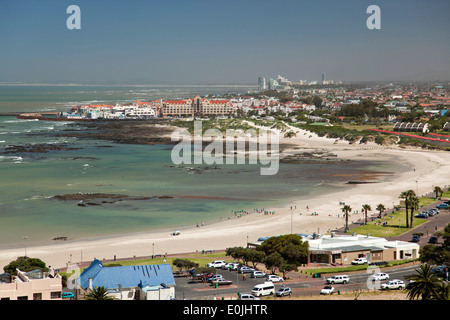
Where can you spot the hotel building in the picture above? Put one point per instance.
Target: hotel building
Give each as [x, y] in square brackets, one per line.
[197, 106]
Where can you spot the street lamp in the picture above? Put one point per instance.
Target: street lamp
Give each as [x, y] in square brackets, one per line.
[25, 238]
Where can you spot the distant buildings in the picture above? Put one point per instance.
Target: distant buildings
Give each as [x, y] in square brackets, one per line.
[262, 84]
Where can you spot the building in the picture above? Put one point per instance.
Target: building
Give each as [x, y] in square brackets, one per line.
[142, 282]
[411, 127]
[343, 249]
[33, 285]
[197, 107]
[262, 84]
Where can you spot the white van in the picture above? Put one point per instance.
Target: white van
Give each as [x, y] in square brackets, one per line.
[263, 289]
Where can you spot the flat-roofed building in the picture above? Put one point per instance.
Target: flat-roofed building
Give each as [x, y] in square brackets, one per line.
[197, 106]
[33, 285]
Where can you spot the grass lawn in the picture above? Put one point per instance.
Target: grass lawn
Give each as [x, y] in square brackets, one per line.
[396, 222]
[396, 225]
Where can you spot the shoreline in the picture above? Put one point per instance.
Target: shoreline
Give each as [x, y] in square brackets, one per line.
[429, 168]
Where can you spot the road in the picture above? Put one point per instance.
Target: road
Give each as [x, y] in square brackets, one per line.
[186, 289]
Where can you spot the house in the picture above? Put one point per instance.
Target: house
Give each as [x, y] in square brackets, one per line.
[33, 285]
[142, 282]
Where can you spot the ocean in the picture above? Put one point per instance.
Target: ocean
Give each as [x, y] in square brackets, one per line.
[161, 195]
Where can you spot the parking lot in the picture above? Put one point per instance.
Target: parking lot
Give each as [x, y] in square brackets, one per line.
[305, 286]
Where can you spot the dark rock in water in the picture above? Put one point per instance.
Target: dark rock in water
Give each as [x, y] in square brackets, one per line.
[89, 196]
[360, 182]
[101, 196]
[38, 148]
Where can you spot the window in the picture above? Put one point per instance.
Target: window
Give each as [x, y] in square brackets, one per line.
[55, 295]
[37, 296]
[22, 298]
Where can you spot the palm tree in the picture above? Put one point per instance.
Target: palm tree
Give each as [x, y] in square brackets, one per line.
[380, 208]
[98, 293]
[346, 209]
[365, 208]
[414, 204]
[443, 291]
[406, 195]
[438, 191]
[425, 284]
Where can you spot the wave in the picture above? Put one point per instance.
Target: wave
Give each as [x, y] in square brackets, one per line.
[19, 120]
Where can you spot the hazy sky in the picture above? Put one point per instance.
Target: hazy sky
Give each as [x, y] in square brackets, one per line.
[211, 41]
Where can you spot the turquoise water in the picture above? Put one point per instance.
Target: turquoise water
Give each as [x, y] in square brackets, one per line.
[28, 181]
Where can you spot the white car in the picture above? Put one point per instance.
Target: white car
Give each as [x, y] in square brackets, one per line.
[393, 284]
[247, 296]
[274, 278]
[327, 290]
[338, 279]
[215, 277]
[216, 264]
[359, 261]
[380, 276]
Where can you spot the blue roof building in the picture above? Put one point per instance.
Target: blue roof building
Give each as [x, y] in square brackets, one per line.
[134, 281]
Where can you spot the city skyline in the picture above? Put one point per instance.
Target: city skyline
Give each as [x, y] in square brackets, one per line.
[202, 42]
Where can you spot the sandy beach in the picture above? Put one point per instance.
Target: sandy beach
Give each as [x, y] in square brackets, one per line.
[428, 168]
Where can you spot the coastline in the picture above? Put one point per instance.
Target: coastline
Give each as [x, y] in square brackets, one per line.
[429, 168]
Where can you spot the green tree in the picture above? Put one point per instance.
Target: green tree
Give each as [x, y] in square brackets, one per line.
[98, 293]
[406, 195]
[443, 291]
[273, 261]
[346, 209]
[237, 253]
[365, 208]
[290, 247]
[438, 191]
[25, 264]
[286, 267]
[254, 256]
[184, 264]
[425, 284]
[414, 203]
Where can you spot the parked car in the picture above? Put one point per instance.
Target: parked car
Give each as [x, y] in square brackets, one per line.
[247, 296]
[443, 206]
[216, 264]
[415, 238]
[359, 261]
[283, 291]
[245, 269]
[393, 284]
[67, 295]
[421, 215]
[230, 266]
[380, 276]
[433, 212]
[274, 278]
[258, 274]
[327, 290]
[338, 279]
[433, 240]
[215, 277]
[221, 282]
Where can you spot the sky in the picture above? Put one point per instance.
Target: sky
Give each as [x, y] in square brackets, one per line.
[223, 42]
